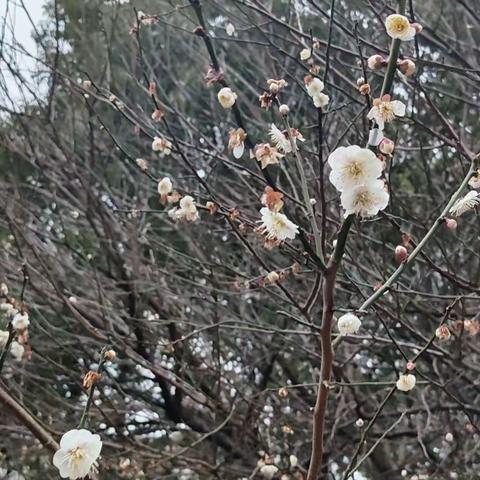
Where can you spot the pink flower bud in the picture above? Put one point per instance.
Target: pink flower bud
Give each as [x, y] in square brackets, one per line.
[386, 146]
[375, 62]
[401, 254]
[410, 366]
[418, 28]
[443, 332]
[451, 223]
[407, 67]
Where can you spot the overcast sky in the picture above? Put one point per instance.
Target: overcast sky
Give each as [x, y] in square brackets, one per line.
[18, 30]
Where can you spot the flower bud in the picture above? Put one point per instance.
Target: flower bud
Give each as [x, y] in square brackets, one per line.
[407, 67]
[418, 28]
[90, 379]
[401, 254]
[142, 164]
[359, 423]
[386, 146]
[375, 62]
[451, 223]
[406, 382]
[226, 97]
[360, 81]
[110, 355]
[284, 109]
[364, 89]
[283, 392]
[443, 332]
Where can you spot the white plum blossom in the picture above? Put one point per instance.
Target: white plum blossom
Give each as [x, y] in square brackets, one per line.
[305, 54]
[17, 350]
[187, 212]
[279, 139]
[236, 141]
[268, 471]
[466, 203]
[365, 200]
[353, 166]
[164, 186]
[315, 86]
[230, 29]
[405, 383]
[277, 225]
[79, 450]
[20, 321]
[162, 145]
[348, 324]
[226, 97]
[385, 110]
[399, 27]
[321, 100]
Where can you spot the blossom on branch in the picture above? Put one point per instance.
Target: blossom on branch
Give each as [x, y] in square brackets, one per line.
[365, 200]
[267, 155]
[277, 226]
[236, 141]
[187, 212]
[226, 97]
[385, 110]
[466, 203]
[399, 27]
[353, 166]
[162, 145]
[79, 450]
[405, 383]
[348, 324]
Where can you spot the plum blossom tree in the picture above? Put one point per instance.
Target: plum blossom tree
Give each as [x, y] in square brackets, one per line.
[239, 240]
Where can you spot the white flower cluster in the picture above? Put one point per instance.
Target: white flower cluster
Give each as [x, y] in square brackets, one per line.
[187, 212]
[315, 88]
[355, 173]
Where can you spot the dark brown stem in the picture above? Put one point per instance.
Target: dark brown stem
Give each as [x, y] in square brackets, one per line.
[325, 372]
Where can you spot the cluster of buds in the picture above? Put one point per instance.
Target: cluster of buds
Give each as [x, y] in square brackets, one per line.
[269, 279]
[471, 327]
[363, 86]
[274, 87]
[18, 320]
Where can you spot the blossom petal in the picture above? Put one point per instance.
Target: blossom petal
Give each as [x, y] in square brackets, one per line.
[398, 108]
